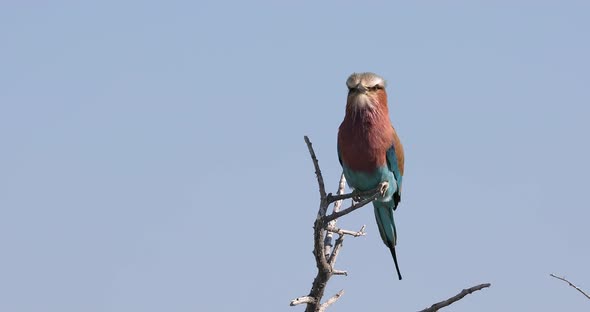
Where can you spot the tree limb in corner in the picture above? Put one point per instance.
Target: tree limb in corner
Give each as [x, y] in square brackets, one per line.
[439, 305]
[574, 286]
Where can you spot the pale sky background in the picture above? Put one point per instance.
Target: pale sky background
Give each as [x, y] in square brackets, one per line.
[153, 158]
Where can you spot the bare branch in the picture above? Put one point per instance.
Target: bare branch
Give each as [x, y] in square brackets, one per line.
[459, 296]
[323, 252]
[331, 301]
[341, 186]
[340, 231]
[574, 286]
[318, 172]
[324, 268]
[338, 214]
[332, 224]
[302, 300]
[337, 247]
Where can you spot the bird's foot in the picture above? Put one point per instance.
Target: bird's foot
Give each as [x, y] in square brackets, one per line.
[355, 197]
[383, 186]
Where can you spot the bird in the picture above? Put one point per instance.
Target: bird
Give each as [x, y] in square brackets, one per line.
[370, 151]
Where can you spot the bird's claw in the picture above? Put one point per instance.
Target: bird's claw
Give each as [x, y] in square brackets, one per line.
[356, 198]
[383, 186]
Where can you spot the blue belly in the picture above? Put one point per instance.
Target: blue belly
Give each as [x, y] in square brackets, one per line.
[365, 181]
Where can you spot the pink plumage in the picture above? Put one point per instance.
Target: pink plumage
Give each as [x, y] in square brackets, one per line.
[366, 133]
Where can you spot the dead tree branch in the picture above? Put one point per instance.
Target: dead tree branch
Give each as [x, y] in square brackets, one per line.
[439, 305]
[331, 301]
[318, 173]
[332, 224]
[301, 300]
[339, 231]
[323, 230]
[570, 283]
[337, 214]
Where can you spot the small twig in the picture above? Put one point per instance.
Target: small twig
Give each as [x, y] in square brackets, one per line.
[336, 251]
[459, 296]
[330, 301]
[336, 215]
[574, 286]
[318, 172]
[340, 272]
[340, 231]
[341, 186]
[328, 240]
[302, 300]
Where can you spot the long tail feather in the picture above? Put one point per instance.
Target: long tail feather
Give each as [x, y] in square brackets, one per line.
[392, 249]
[386, 224]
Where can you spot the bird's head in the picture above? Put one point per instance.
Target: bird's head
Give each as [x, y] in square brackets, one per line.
[366, 91]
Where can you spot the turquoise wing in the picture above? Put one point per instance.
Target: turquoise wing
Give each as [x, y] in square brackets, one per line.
[392, 164]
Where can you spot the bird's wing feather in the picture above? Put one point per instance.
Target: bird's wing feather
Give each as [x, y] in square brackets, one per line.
[395, 163]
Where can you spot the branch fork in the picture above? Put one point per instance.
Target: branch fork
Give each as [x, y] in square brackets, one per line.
[324, 229]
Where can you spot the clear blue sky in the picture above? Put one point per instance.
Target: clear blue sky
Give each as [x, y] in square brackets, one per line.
[153, 156]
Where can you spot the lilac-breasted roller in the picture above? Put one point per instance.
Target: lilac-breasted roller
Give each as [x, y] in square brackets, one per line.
[370, 151]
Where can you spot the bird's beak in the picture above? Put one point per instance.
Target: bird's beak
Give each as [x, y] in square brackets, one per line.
[360, 88]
